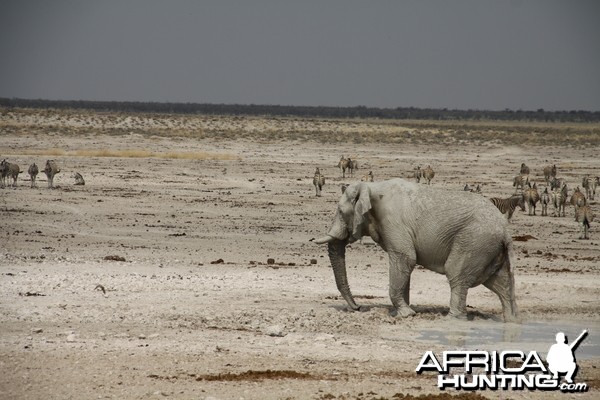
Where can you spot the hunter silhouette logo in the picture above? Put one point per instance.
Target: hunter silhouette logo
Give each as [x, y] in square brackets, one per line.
[509, 369]
[560, 356]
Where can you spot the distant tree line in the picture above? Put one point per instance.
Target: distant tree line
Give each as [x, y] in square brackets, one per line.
[308, 111]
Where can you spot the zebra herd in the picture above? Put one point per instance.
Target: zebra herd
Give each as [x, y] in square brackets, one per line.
[350, 165]
[344, 164]
[558, 196]
[526, 196]
[10, 170]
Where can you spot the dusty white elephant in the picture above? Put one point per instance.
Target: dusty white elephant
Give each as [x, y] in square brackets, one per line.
[455, 233]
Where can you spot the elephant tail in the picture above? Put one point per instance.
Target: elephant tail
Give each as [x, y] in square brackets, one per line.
[508, 297]
[508, 252]
[505, 258]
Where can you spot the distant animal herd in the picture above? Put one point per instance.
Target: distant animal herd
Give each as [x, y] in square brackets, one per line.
[10, 171]
[525, 196]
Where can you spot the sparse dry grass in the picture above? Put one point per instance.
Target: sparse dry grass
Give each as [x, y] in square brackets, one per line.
[196, 155]
[45, 123]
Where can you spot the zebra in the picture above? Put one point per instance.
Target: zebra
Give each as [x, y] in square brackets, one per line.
[559, 200]
[507, 206]
[577, 199]
[79, 181]
[556, 183]
[3, 172]
[584, 215]
[531, 197]
[520, 181]
[318, 182]
[367, 177]
[14, 171]
[352, 165]
[524, 169]
[428, 174]
[51, 170]
[545, 200]
[595, 183]
[549, 172]
[9, 170]
[33, 171]
[418, 173]
[343, 165]
[587, 184]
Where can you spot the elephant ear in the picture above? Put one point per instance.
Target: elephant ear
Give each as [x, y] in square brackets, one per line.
[362, 206]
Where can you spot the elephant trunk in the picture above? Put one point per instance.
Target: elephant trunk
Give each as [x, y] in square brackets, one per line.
[337, 256]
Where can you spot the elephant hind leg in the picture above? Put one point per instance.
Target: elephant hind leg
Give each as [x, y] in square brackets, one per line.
[503, 284]
[467, 269]
[460, 278]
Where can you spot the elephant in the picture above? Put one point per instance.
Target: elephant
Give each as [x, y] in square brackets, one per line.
[459, 234]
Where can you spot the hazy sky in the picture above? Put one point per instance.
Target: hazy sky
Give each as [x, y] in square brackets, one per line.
[457, 54]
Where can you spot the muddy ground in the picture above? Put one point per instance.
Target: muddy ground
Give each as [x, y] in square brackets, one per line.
[192, 276]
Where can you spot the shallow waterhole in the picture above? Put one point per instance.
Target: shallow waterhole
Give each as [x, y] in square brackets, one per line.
[526, 336]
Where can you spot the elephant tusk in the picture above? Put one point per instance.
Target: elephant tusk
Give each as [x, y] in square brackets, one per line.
[324, 239]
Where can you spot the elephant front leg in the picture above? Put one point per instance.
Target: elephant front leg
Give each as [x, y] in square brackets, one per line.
[400, 270]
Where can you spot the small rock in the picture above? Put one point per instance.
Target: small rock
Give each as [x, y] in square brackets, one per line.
[115, 258]
[71, 338]
[313, 260]
[141, 336]
[275, 331]
[270, 261]
[37, 330]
